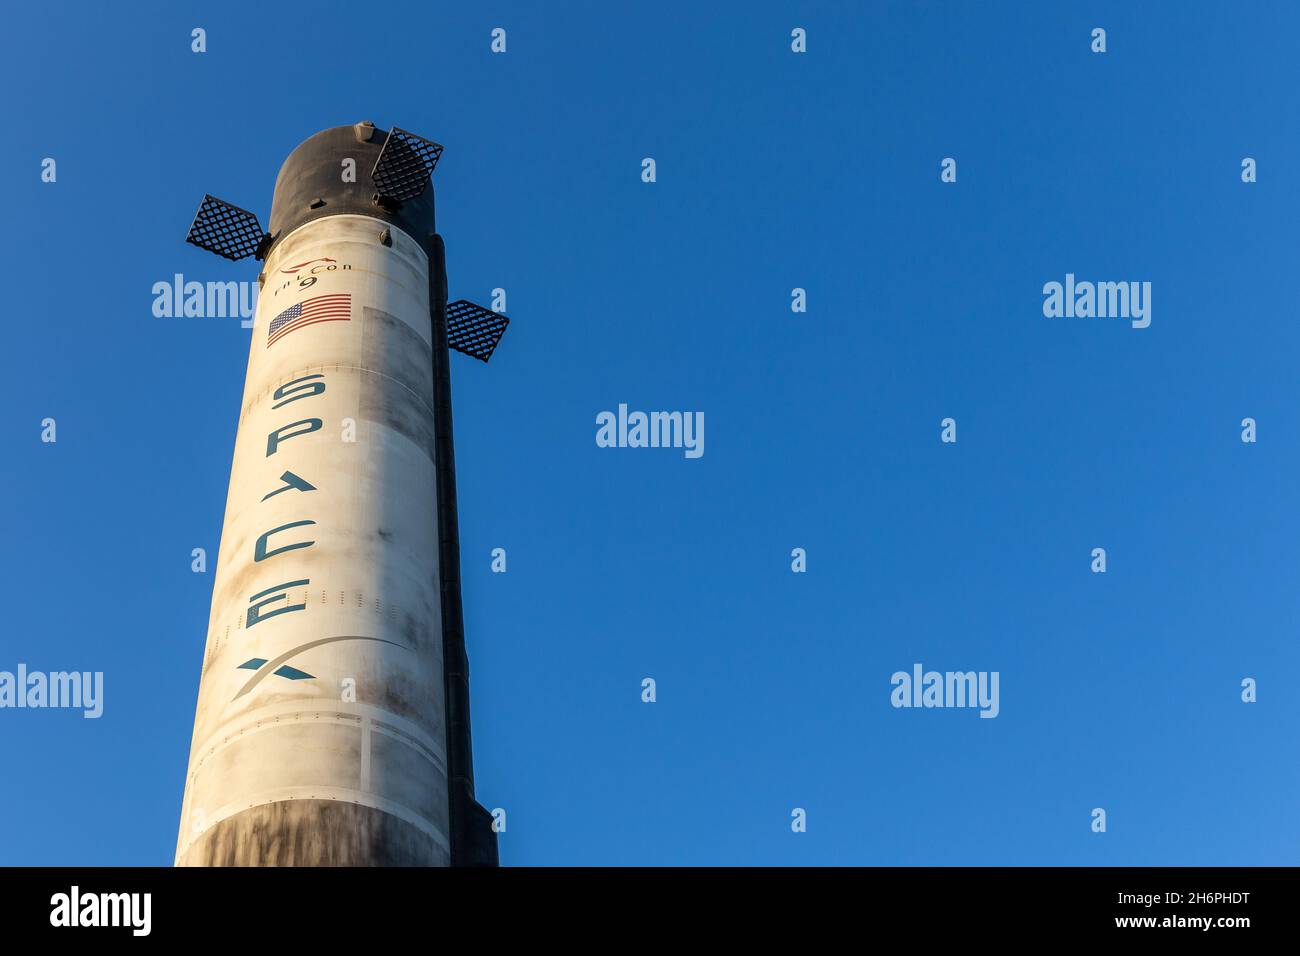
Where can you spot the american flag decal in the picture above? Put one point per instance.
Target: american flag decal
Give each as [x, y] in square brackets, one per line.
[323, 308]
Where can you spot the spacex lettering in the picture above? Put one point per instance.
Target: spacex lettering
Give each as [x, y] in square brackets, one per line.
[301, 388]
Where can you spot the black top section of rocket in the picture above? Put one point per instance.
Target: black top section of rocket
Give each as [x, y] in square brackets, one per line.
[329, 174]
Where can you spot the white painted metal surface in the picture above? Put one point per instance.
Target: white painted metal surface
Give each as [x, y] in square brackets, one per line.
[322, 676]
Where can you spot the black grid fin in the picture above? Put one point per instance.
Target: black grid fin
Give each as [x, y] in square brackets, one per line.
[474, 330]
[402, 170]
[227, 230]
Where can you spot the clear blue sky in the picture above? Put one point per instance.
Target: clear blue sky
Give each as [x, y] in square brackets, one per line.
[775, 170]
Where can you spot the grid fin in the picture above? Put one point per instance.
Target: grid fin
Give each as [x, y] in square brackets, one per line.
[227, 230]
[474, 330]
[402, 170]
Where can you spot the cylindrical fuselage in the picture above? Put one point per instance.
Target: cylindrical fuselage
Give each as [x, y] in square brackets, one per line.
[319, 736]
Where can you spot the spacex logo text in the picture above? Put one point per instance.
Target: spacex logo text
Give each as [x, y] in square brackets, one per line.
[273, 601]
[74, 909]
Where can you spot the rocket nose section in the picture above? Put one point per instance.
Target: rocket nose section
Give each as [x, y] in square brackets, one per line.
[334, 173]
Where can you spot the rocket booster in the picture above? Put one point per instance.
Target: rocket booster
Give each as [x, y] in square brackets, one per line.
[321, 729]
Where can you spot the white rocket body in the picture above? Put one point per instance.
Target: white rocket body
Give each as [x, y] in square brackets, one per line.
[319, 736]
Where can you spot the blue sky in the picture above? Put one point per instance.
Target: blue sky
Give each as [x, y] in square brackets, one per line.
[774, 170]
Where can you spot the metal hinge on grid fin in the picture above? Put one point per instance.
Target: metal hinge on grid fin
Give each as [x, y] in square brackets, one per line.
[402, 170]
[227, 230]
[474, 330]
